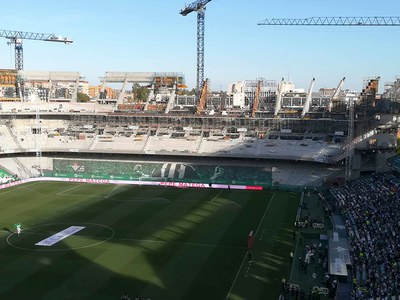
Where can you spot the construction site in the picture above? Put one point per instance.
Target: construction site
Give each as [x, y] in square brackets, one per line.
[321, 149]
[265, 118]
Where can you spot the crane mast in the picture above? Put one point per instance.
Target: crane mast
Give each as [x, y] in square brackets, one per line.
[200, 7]
[256, 99]
[203, 98]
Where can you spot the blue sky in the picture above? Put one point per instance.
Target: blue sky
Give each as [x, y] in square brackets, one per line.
[151, 35]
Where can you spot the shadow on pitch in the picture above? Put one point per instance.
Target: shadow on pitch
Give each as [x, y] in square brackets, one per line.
[8, 229]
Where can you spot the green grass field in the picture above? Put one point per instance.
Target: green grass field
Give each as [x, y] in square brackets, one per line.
[153, 242]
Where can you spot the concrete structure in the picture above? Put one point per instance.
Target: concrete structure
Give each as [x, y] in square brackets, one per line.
[163, 86]
[240, 95]
[51, 85]
[392, 91]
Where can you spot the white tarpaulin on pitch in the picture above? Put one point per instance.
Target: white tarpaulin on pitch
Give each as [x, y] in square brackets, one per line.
[59, 236]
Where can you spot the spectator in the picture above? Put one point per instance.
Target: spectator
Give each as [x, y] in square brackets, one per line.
[371, 208]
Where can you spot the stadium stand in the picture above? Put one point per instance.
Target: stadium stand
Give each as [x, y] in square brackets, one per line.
[6, 176]
[371, 209]
[276, 174]
[394, 162]
[19, 135]
[128, 170]
[25, 167]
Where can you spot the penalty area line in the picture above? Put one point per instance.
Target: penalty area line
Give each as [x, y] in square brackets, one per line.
[24, 186]
[217, 195]
[244, 258]
[111, 192]
[69, 189]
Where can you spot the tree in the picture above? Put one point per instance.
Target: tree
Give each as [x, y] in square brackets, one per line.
[140, 92]
[186, 92]
[83, 97]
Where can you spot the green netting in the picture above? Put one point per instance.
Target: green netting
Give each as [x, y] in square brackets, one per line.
[4, 174]
[125, 170]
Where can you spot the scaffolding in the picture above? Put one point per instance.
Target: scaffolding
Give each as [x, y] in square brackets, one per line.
[350, 145]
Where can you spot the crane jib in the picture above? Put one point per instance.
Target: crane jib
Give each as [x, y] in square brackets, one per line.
[16, 38]
[335, 21]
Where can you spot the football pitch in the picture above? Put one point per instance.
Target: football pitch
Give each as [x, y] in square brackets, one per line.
[151, 242]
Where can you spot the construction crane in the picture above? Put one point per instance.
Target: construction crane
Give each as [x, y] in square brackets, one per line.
[16, 37]
[335, 95]
[203, 98]
[200, 7]
[256, 99]
[335, 21]
[338, 21]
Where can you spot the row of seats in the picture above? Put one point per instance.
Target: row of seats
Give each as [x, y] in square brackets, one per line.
[18, 135]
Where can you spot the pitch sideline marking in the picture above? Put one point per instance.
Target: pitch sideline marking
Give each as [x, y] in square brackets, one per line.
[140, 199]
[69, 189]
[230, 201]
[33, 190]
[110, 193]
[245, 255]
[19, 188]
[216, 195]
[81, 195]
[110, 196]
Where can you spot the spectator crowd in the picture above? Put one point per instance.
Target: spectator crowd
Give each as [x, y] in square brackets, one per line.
[371, 207]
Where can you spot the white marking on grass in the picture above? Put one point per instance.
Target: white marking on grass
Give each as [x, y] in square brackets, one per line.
[296, 254]
[229, 201]
[138, 199]
[82, 195]
[216, 195]
[69, 189]
[33, 190]
[112, 191]
[19, 188]
[180, 243]
[244, 258]
[235, 203]
[110, 196]
[105, 239]
[27, 232]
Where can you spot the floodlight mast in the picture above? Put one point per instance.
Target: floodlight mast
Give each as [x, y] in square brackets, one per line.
[200, 7]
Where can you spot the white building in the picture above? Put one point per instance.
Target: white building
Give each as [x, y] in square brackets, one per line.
[241, 94]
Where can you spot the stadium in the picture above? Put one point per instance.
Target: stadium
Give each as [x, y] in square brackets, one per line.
[138, 188]
[151, 205]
